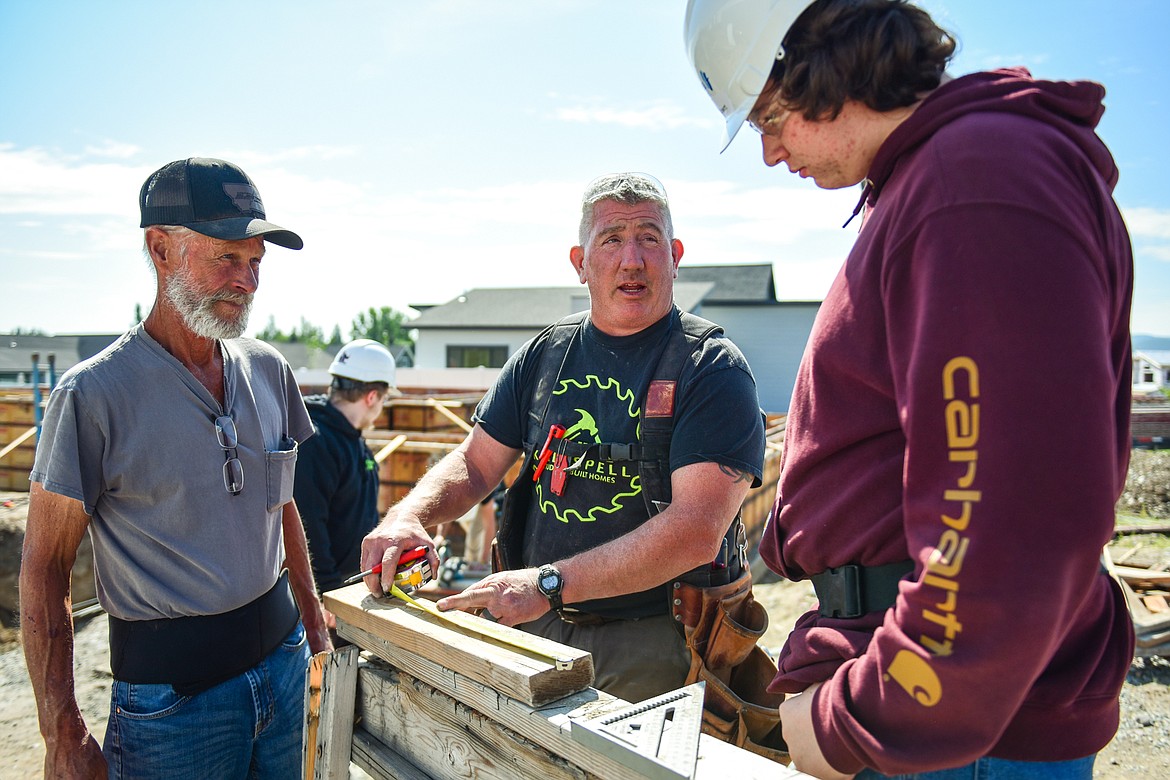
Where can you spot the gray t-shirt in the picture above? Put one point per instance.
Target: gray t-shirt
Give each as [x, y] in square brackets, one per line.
[131, 434]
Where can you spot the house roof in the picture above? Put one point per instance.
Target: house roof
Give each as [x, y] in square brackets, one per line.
[534, 307]
[733, 283]
[302, 356]
[525, 308]
[16, 351]
[504, 307]
[1159, 357]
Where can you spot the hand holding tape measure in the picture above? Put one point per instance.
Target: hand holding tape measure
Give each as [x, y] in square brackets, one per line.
[413, 571]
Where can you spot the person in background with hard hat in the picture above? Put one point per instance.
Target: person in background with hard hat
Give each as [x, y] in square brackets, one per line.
[336, 487]
[174, 448]
[948, 506]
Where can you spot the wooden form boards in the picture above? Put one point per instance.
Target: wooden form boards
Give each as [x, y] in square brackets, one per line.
[415, 413]
[423, 717]
[330, 687]
[527, 677]
[17, 417]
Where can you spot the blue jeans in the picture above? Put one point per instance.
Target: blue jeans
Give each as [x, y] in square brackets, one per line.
[247, 727]
[1001, 769]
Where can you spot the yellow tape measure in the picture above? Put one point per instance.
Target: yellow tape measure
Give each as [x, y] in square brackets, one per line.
[484, 628]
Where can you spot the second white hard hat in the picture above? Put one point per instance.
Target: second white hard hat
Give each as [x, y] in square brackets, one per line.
[364, 360]
[732, 45]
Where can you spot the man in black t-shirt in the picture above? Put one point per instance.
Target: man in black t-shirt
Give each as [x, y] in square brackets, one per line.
[593, 560]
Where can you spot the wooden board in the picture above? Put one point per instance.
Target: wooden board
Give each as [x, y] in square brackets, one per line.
[18, 440]
[447, 739]
[330, 688]
[528, 677]
[547, 727]
[423, 414]
[22, 411]
[1143, 578]
[380, 762]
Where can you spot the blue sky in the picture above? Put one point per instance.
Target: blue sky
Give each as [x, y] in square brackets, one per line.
[425, 148]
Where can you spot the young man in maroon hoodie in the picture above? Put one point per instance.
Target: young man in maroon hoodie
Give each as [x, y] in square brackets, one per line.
[958, 433]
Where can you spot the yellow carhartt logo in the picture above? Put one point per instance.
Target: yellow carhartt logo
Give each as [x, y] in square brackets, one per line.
[913, 673]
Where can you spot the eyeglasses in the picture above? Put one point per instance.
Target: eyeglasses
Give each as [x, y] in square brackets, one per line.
[769, 116]
[233, 470]
[770, 123]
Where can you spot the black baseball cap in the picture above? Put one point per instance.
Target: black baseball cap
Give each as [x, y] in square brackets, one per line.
[212, 197]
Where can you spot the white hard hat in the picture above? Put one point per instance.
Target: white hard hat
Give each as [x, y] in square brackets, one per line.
[364, 360]
[733, 44]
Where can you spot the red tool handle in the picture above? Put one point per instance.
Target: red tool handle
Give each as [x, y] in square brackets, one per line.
[412, 555]
[554, 432]
[406, 558]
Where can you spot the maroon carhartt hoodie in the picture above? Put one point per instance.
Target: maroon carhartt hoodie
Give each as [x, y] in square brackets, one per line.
[964, 403]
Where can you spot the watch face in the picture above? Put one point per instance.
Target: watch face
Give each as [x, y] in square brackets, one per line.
[550, 582]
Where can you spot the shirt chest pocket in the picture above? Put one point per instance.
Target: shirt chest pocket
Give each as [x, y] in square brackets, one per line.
[281, 466]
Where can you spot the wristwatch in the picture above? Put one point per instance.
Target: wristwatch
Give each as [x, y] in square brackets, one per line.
[551, 583]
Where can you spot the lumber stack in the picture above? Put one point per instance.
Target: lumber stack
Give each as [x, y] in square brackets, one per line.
[757, 505]
[401, 633]
[1147, 590]
[18, 442]
[438, 701]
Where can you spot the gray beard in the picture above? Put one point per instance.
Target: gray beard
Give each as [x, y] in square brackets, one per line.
[198, 312]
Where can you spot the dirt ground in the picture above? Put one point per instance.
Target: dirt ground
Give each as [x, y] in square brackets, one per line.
[1140, 751]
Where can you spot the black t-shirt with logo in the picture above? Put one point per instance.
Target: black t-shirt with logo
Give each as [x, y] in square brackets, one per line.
[597, 398]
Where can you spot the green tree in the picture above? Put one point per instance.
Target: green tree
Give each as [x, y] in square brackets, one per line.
[384, 325]
[335, 337]
[271, 333]
[309, 334]
[306, 333]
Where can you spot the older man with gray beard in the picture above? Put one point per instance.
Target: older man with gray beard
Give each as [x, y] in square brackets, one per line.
[175, 449]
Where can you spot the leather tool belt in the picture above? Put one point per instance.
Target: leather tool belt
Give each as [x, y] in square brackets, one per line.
[197, 652]
[851, 591]
[721, 625]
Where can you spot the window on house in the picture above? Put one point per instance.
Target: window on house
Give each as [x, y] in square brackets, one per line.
[1147, 374]
[473, 356]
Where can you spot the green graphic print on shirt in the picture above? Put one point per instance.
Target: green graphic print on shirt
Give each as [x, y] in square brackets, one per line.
[584, 429]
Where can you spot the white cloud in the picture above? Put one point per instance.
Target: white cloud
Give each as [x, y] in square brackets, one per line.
[370, 245]
[115, 149]
[35, 181]
[318, 152]
[1148, 222]
[656, 115]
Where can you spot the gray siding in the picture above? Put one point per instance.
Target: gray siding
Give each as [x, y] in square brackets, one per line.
[772, 338]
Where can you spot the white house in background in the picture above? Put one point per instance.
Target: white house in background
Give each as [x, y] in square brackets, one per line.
[1151, 371]
[484, 326]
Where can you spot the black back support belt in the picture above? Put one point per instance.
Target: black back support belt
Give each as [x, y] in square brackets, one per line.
[196, 652]
[851, 591]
